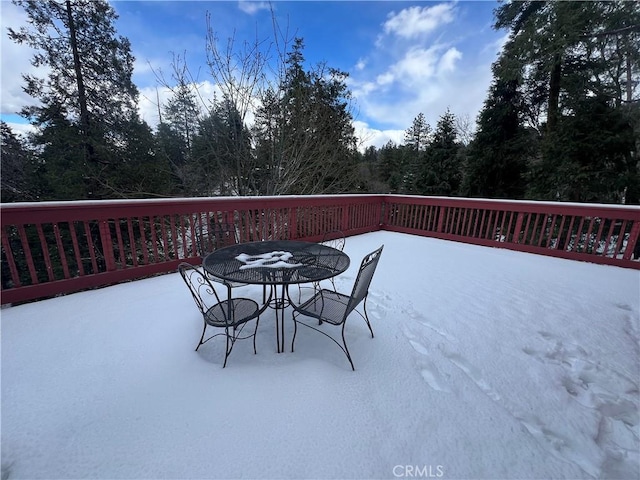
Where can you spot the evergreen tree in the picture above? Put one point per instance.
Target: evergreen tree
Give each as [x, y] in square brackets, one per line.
[392, 169]
[222, 153]
[570, 57]
[304, 134]
[170, 148]
[87, 100]
[497, 157]
[182, 113]
[416, 142]
[595, 145]
[17, 167]
[417, 136]
[441, 173]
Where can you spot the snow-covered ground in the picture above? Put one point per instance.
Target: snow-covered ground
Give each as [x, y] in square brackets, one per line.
[486, 364]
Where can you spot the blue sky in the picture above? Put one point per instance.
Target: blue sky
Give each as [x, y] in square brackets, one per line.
[403, 58]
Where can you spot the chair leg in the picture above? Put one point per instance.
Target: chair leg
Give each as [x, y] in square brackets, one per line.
[295, 330]
[346, 350]
[254, 335]
[366, 317]
[227, 350]
[201, 336]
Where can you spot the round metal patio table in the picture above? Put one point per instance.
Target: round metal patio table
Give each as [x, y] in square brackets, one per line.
[276, 263]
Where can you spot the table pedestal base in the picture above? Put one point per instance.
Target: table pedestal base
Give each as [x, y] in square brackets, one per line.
[279, 301]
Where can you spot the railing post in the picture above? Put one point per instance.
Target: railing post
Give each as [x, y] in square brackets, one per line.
[107, 245]
[293, 223]
[634, 235]
[384, 212]
[516, 231]
[345, 219]
[442, 212]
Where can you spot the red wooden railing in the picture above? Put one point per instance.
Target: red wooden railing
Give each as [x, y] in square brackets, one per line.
[61, 247]
[596, 233]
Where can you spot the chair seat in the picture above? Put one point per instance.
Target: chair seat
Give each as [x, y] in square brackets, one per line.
[327, 305]
[244, 310]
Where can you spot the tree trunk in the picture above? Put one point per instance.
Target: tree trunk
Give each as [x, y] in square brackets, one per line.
[554, 93]
[77, 66]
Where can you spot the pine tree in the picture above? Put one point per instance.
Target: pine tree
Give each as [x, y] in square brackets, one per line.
[497, 157]
[304, 134]
[571, 57]
[416, 142]
[17, 167]
[441, 172]
[87, 101]
[417, 136]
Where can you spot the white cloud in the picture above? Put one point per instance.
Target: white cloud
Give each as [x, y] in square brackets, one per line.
[361, 64]
[253, 7]
[414, 75]
[15, 60]
[21, 129]
[418, 64]
[374, 137]
[385, 79]
[416, 21]
[448, 61]
[462, 91]
[497, 46]
[415, 69]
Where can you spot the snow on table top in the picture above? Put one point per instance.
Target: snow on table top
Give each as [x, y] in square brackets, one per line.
[275, 259]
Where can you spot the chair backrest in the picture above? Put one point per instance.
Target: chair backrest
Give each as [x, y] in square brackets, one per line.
[225, 234]
[201, 288]
[335, 239]
[202, 238]
[217, 235]
[363, 280]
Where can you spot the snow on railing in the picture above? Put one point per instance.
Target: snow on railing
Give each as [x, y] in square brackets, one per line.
[51, 248]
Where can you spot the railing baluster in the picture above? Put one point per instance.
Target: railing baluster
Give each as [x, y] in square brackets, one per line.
[607, 242]
[45, 252]
[9, 255]
[76, 248]
[61, 252]
[154, 254]
[621, 235]
[90, 246]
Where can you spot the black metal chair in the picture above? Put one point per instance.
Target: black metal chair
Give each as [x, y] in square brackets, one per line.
[332, 307]
[231, 314]
[218, 235]
[335, 239]
[214, 235]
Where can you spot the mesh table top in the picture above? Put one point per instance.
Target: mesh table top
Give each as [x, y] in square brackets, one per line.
[272, 262]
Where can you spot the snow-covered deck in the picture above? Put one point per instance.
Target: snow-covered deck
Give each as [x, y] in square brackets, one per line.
[487, 363]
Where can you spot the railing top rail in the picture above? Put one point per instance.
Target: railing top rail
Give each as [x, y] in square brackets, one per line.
[528, 206]
[186, 201]
[105, 209]
[516, 203]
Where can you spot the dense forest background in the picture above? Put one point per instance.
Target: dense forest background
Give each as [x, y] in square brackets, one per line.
[561, 120]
